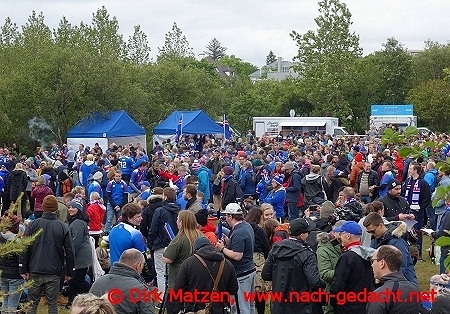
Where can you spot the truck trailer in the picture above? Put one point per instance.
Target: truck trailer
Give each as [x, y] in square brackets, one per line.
[272, 126]
[401, 121]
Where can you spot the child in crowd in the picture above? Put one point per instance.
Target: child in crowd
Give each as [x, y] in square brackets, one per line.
[95, 210]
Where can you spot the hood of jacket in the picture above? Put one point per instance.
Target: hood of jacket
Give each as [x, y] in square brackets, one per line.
[123, 270]
[171, 207]
[288, 249]
[202, 168]
[395, 229]
[282, 227]
[155, 198]
[17, 172]
[42, 188]
[366, 253]
[312, 177]
[209, 227]
[323, 237]
[89, 162]
[209, 252]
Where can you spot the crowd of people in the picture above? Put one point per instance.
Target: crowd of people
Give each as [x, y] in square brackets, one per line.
[291, 213]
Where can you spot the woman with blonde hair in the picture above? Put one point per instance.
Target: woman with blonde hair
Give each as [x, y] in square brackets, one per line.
[267, 213]
[181, 247]
[91, 304]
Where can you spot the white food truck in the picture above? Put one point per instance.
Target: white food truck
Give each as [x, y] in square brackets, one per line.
[299, 125]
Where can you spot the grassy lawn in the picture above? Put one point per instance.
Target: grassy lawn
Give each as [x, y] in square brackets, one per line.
[424, 270]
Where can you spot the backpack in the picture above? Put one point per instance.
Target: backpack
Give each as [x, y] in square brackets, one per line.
[238, 195]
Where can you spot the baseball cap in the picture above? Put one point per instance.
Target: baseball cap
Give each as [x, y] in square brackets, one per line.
[351, 227]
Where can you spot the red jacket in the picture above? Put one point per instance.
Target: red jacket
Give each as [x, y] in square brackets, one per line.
[38, 193]
[95, 212]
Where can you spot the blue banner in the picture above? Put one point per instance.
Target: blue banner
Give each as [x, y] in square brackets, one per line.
[392, 110]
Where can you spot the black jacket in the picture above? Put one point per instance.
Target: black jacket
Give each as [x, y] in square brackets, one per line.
[51, 250]
[157, 237]
[314, 189]
[16, 182]
[394, 206]
[332, 189]
[294, 188]
[232, 193]
[193, 275]
[292, 267]
[9, 264]
[396, 282]
[353, 272]
[261, 242]
[155, 201]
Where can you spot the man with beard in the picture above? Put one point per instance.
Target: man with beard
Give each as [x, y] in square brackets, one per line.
[418, 195]
[395, 206]
[190, 195]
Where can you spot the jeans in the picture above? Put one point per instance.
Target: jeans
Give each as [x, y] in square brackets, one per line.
[10, 299]
[292, 211]
[49, 284]
[110, 213]
[246, 284]
[160, 268]
[78, 284]
[365, 199]
[419, 225]
[431, 217]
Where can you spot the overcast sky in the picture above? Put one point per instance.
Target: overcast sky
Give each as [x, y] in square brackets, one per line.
[249, 29]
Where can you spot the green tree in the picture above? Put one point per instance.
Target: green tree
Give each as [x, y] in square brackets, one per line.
[395, 71]
[138, 51]
[271, 57]
[431, 101]
[103, 35]
[243, 69]
[175, 46]
[429, 64]
[326, 60]
[215, 50]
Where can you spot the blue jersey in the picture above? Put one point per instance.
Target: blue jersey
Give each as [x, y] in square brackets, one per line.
[94, 186]
[117, 191]
[123, 237]
[126, 165]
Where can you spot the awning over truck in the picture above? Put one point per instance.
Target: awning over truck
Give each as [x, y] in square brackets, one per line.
[314, 123]
[302, 123]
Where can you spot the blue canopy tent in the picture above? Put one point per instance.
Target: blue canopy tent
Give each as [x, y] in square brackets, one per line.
[106, 128]
[192, 122]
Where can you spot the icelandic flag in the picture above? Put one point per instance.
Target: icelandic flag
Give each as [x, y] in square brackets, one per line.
[226, 128]
[179, 129]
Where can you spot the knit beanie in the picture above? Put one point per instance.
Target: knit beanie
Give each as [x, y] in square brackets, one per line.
[327, 209]
[50, 204]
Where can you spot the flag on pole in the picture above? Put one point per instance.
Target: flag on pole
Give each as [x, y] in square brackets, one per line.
[179, 129]
[226, 128]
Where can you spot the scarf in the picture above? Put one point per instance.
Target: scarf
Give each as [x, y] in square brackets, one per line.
[350, 200]
[413, 199]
